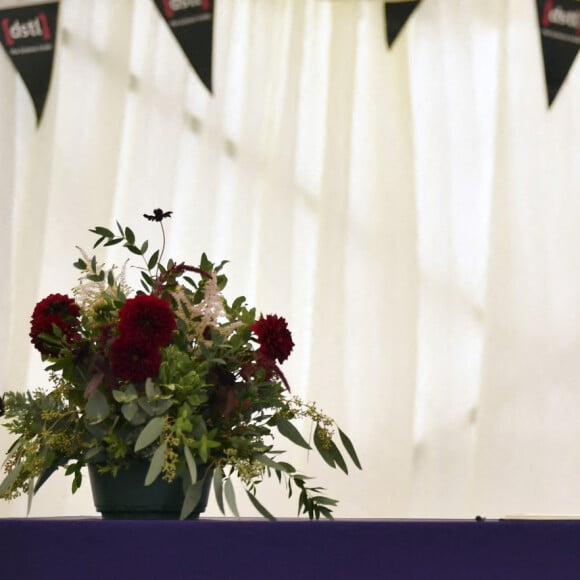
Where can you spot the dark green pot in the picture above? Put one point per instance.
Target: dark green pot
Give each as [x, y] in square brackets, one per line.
[125, 497]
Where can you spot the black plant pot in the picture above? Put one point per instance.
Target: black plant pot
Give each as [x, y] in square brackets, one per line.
[126, 497]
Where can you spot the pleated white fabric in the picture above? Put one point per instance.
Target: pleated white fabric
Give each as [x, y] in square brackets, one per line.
[412, 213]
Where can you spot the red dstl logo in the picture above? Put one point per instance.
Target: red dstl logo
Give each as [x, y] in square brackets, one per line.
[546, 16]
[556, 14]
[171, 6]
[33, 28]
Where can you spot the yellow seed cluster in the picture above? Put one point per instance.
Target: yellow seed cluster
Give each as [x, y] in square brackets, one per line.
[32, 467]
[248, 471]
[169, 468]
[323, 422]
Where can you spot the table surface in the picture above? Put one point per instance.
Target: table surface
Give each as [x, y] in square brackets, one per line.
[87, 548]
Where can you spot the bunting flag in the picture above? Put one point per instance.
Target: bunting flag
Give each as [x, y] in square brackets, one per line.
[191, 21]
[559, 22]
[28, 36]
[397, 15]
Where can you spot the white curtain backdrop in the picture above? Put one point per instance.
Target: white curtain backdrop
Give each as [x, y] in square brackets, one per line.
[413, 213]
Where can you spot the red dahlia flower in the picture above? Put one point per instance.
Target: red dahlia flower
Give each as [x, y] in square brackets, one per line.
[274, 337]
[147, 320]
[58, 304]
[133, 361]
[55, 309]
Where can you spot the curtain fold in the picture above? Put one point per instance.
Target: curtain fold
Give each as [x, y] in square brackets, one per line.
[411, 212]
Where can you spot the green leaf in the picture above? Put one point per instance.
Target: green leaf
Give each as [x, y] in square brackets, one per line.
[218, 488]
[119, 396]
[129, 236]
[323, 500]
[329, 453]
[347, 444]
[97, 408]
[93, 452]
[129, 410]
[231, 496]
[259, 506]
[265, 460]
[203, 453]
[10, 478]
[191, 466]
[156, 464]
[30, 495]
[326, 513]
[126, 396]
[113, 241]
[338, 458]
[133, 249]
[80, 264]
[151, 390]
[147, 278]
[144, 247]
[192, 497]
[100, 231]
[324, 453]
[150, 433]
[289, 431]
[153, 260]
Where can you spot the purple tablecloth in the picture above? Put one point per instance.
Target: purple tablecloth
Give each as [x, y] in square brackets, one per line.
[82, 549]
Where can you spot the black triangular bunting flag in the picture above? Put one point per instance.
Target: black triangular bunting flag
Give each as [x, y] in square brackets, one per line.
[397, 15]
[559, 22]
[191, 22]
[28, 36]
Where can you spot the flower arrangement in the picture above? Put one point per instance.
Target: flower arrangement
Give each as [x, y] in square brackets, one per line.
[173, 375]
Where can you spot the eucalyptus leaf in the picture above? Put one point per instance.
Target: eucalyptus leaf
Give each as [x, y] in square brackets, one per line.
[150, 433]
[218, 488]
[93, 452]
[337, 456]
[323, 500]
[231, 496]
[156, 464]
[30, 495]
[97, 408]
[324, 453]
[191, 466]
[192, 497]
[290, 432]
[347, 444]
[129, 410]
[10, 478]
[151, 390]
[43, 477]
[265, 460]
[263, 511]
[119, 396]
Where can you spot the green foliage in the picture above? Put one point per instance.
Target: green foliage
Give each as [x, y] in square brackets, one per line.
[214, 402]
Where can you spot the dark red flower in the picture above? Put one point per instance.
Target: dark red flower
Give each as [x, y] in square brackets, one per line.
[60, 305]
[132, 361]
[55, 310]
[147, 320]
[274, 337]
